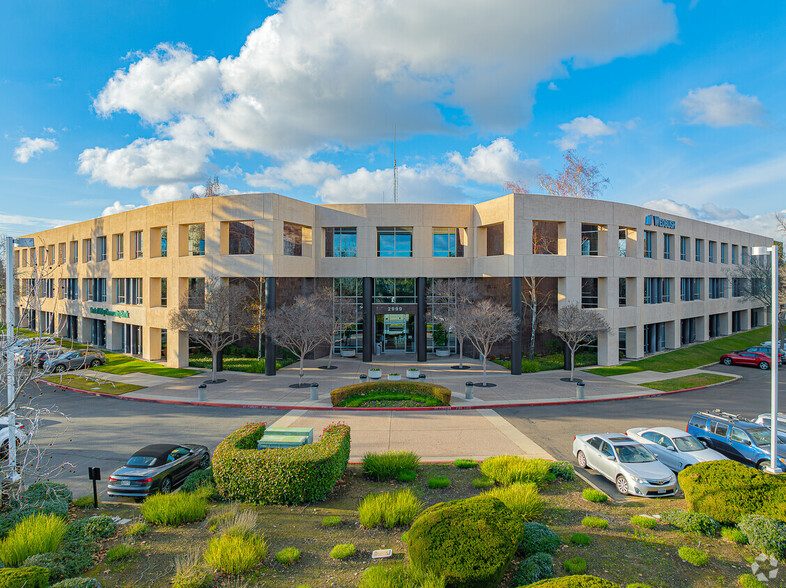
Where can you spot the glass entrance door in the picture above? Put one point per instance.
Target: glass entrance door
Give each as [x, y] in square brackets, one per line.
[396, 332]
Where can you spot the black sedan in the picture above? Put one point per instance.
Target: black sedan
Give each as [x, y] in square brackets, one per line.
[157, 468]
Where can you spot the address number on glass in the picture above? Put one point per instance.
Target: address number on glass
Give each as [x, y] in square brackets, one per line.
[395, 309]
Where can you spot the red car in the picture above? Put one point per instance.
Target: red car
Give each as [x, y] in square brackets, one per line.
[754, 358]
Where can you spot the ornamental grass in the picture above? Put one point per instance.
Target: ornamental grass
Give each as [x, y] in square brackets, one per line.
[235, 552]
[389, 465]
[523, 499]
[41, 533]
[389, 509]
[174, 509]
[510, 469]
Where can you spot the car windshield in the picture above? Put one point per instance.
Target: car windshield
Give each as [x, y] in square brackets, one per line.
[633, 454]
[687, 444]
[141, 461]
[759, 436]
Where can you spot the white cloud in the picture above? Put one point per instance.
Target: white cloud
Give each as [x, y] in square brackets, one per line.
[496, 164]
[223, 190]
[721, 106]
[166, 193]
[117, 207]
[582, 129]
[17, 224]
[687, 141]
[29, 148]
[553, 87]
[299, 172]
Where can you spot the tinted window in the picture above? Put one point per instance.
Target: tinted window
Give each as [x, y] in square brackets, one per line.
[606, 449]
[141, 461]
[688, 444]
[760, 436]
[595, 442]
[634, 454]
[738, 435]
[650, 436]
[721, 429]
[699, 422]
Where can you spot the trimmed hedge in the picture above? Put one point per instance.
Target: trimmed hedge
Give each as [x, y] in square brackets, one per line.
[575, 582]
[727, 490]
[32, 577]
[691, 522]
[279, 476]
[470, 542]
[438, 393]
[765, 534]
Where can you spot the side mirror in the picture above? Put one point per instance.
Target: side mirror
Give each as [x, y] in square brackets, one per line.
[703, 442]
[609, 457]
[670, 448]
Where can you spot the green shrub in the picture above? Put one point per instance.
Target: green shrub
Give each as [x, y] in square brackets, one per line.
[389, 509]
[40, 492]
[637, 585]
[483, 482]
[389, 465]
[202, 481]
[750, 581]
[121, 551]
[595, 522]
[190, 571]
[469, 541]
[438, 482]
[523, 499]
[36, 534]
[288, 555]
[575, 565]
[136, 529]
[279, 476]
[331, 521]
[691, 522]
[342, 551]
[30, 577]
[78, 583]
[8, 520]
[398, 576]
[594, 495]
[406, 475]
[174, 509]
[643, 522]
[75, 553]
[536, 567]
[509, 469]
[538, 538]
[340, 396]
[765, 534]
[693, 556]
[734, 535]
[465, 464]
[575, 582]
[235, 553]
[580, 539]
[563, 470]
[727, 490]
[93, 528]
[84, 501]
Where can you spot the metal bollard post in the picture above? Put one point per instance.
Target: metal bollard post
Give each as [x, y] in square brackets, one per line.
[579, 390]
[363, 378]
[422, 377]
[315, 391]
[469, 390]
[202, 392]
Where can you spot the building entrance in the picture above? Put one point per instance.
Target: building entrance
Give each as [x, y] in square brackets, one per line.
[395, 333]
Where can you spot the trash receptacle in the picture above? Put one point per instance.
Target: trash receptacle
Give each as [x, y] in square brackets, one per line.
[580, 390]
[469, 390]
[202, 392]
[314, 391]
[363, 378]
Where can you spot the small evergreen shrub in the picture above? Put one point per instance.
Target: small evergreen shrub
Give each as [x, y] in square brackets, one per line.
[406, 476]
[750, 581]
[595, 522]
[523, 499]
[28, 577]
[389, 509]
[174, 509]
[581, 581]
[331, 521]
[734, 535]
[93, 528]
[481, 483]
[691, 522]
[765, 534]
[389, 465]
[536, 567]
[202, 481]
[464, 464]
[509, 469]
[84, 502]
[538, 538]
[594, 495]
[693, 556]
[288, 555]
[40, 533]
[396, 575]
[78, 583]
[438, 482]
[643, 522]
[563, 470]
[580, 539]
[121, 551]
[40, 492]
[235, 552]
[576, 565]
[342, 551]
[136, 529]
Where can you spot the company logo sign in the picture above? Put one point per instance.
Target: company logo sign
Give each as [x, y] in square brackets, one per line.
[115, 313]
[657, 221]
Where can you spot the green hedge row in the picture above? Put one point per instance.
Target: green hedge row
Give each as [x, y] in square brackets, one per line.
[727, 490]
[32, 577]
[439, 393]
[279, 476]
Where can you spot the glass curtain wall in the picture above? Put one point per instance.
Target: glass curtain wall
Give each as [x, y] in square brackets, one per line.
[348, 312]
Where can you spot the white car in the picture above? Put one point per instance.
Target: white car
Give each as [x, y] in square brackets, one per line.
[674, 448]
[766, 420]
[21, 437]
[626, 463]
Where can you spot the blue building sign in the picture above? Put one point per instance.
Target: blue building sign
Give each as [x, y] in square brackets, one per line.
[657, 221]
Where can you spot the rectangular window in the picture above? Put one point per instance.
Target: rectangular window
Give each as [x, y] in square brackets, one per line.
[241, 238]
[100, 248]
[163, 292]
[136, 244]
[690, 289]
[71, 290]
[394, 241]
[657, 290]
[61, 253]
[47, 288]
[51, 255]
[24, 257]
[118, 243]
[711, 251]
[589, 239]
[699, 249]
[649, 244]
[744, 259]
[668, 243]
[589, 292]
[625, 234]
[717, 288]
[724, 247]
[293, 239]
[88, 288]
[734, 254]
[120, 290]
[95, 289]
[32, 256]
[495, 239]
[196, 239]
[545, 237]
[685, 248]
[196, 293]
[134, 291]
[163, 241]
[448, 242]
[341, 242]
[623, 292]
[738, 287]
[87, 250]
[74, 251]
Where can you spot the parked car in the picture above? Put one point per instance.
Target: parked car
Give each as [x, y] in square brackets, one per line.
[766, 350]
[674, 448]
[766, 420]
[36, 356]
[32, 342]
[752, 358]
[736, 438]
[70, 360]
[625, 462]
[20, 434]
[46, 354]
[161, 467]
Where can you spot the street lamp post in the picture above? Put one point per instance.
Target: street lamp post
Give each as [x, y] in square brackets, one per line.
[775, 351]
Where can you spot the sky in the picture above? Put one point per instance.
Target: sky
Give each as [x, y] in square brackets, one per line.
[107, 105]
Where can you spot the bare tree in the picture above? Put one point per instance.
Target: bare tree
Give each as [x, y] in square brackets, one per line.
[451, 301]
[579, 178]
[534, 296]
[339, 311]
[576, 326]
[300, 327]
[212, 188]
[213, 318]
[487, 323]
[516, 187]
[255, 307]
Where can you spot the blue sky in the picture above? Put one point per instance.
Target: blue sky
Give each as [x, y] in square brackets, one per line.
[106, 105]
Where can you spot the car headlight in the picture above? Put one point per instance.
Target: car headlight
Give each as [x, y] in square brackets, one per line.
[783, 461]
[639, 480]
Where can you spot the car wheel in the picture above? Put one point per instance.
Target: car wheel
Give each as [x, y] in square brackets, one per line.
[582, 459]
[4, 450]
[166, 486]
[622, 485]
[763, 465]
[204, 463]
[59, 368]
[94, 363]
[727, 361]
[763, 365]
[139, 499]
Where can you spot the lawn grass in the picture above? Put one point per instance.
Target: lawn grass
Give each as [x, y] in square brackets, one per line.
[688, 357]
[117, 363]
[90, 385]
[553, 361]
[686, 382]
[237, 364]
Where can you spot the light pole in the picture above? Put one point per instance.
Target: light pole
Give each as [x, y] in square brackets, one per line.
[13, 476]
[774, 351]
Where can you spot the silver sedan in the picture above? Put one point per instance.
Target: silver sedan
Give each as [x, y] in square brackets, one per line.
[676, 449]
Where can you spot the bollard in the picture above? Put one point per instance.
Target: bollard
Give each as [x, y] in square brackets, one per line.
[363, 378]
[469, 390]
[422, 377]
[202, 392]
[315, 391]
[579, 390]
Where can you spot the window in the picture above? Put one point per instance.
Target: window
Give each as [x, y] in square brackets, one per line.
[625, 233]
[394, 290]
[734, 254]
[738, 436]
[711, 251]
[690, 289]
[684, 248]
[724, 247]
[128, 291]
[448, 242]
[394, 241]
[120, 291]
[51, 254]
[495, 239]
[589, 292]
[100, 248]
[163, 241]
[668, 242]
[545, 238]
[589, 239]
[295, 237]
[341, 242]
[47, 288]
[136, 244]
[32, 256]
[744, 258]
[657, 290]
[61, 253]
[721, 429]
[24, 257]
[196, 239]
[95, 289]
[649, 244]
[74, 252]
[699, 249]
[196, 293]
[738, 287]
[717, 288]
[163, 292]
[241, 237]
[87, 247]
[623, 292]
[118, 243]
[654, 337]
[688, 331]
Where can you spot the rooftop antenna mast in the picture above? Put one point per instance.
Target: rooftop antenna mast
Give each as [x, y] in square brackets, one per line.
[395, 169]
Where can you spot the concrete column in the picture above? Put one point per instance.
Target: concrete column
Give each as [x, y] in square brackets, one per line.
[702, 328]
[151, 343]
[608, 347]
[515, 341]
[270, 308]
[177, 349]
[368, 319]
[634, 342]
[420, 319]
[724, 324]
[673, 334]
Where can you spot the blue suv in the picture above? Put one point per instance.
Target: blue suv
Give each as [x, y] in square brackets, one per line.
[736, 438]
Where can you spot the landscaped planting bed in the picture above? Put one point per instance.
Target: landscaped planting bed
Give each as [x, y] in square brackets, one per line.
[390, 394]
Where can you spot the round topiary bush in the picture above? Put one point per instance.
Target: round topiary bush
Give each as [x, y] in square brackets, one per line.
[470, 542]
[575, 582]
[538, 538]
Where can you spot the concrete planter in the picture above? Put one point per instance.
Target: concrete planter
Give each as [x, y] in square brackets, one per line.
[347, 353]
[413, 374]
[442, 352]
[374, 373]
[394, 377]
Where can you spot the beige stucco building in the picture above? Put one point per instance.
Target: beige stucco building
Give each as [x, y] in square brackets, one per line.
[661, 281]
